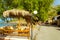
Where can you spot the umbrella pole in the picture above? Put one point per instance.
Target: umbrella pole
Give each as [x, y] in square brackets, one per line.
[19, 23]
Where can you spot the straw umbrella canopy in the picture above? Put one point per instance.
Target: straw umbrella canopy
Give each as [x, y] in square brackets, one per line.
[14, 13]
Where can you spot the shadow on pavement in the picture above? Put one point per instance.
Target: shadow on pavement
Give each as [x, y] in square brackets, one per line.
[58, 29]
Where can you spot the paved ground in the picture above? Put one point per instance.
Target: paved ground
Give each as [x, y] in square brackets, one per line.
[46, 33]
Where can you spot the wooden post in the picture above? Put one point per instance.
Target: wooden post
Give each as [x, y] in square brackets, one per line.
[18, 26]
[58, 22]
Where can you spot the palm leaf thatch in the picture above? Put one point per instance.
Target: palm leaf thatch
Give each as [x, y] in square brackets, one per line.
[16, 13]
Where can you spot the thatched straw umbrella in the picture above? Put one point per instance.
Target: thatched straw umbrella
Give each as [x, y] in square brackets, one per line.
[14, 13]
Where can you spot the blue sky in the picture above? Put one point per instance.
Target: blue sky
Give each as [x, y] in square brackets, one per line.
[56, 2]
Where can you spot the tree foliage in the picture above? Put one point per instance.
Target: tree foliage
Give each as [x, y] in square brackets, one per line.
[42, 6]
[58, 9]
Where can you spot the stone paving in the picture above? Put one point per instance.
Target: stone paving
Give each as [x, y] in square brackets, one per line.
[46, 33]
